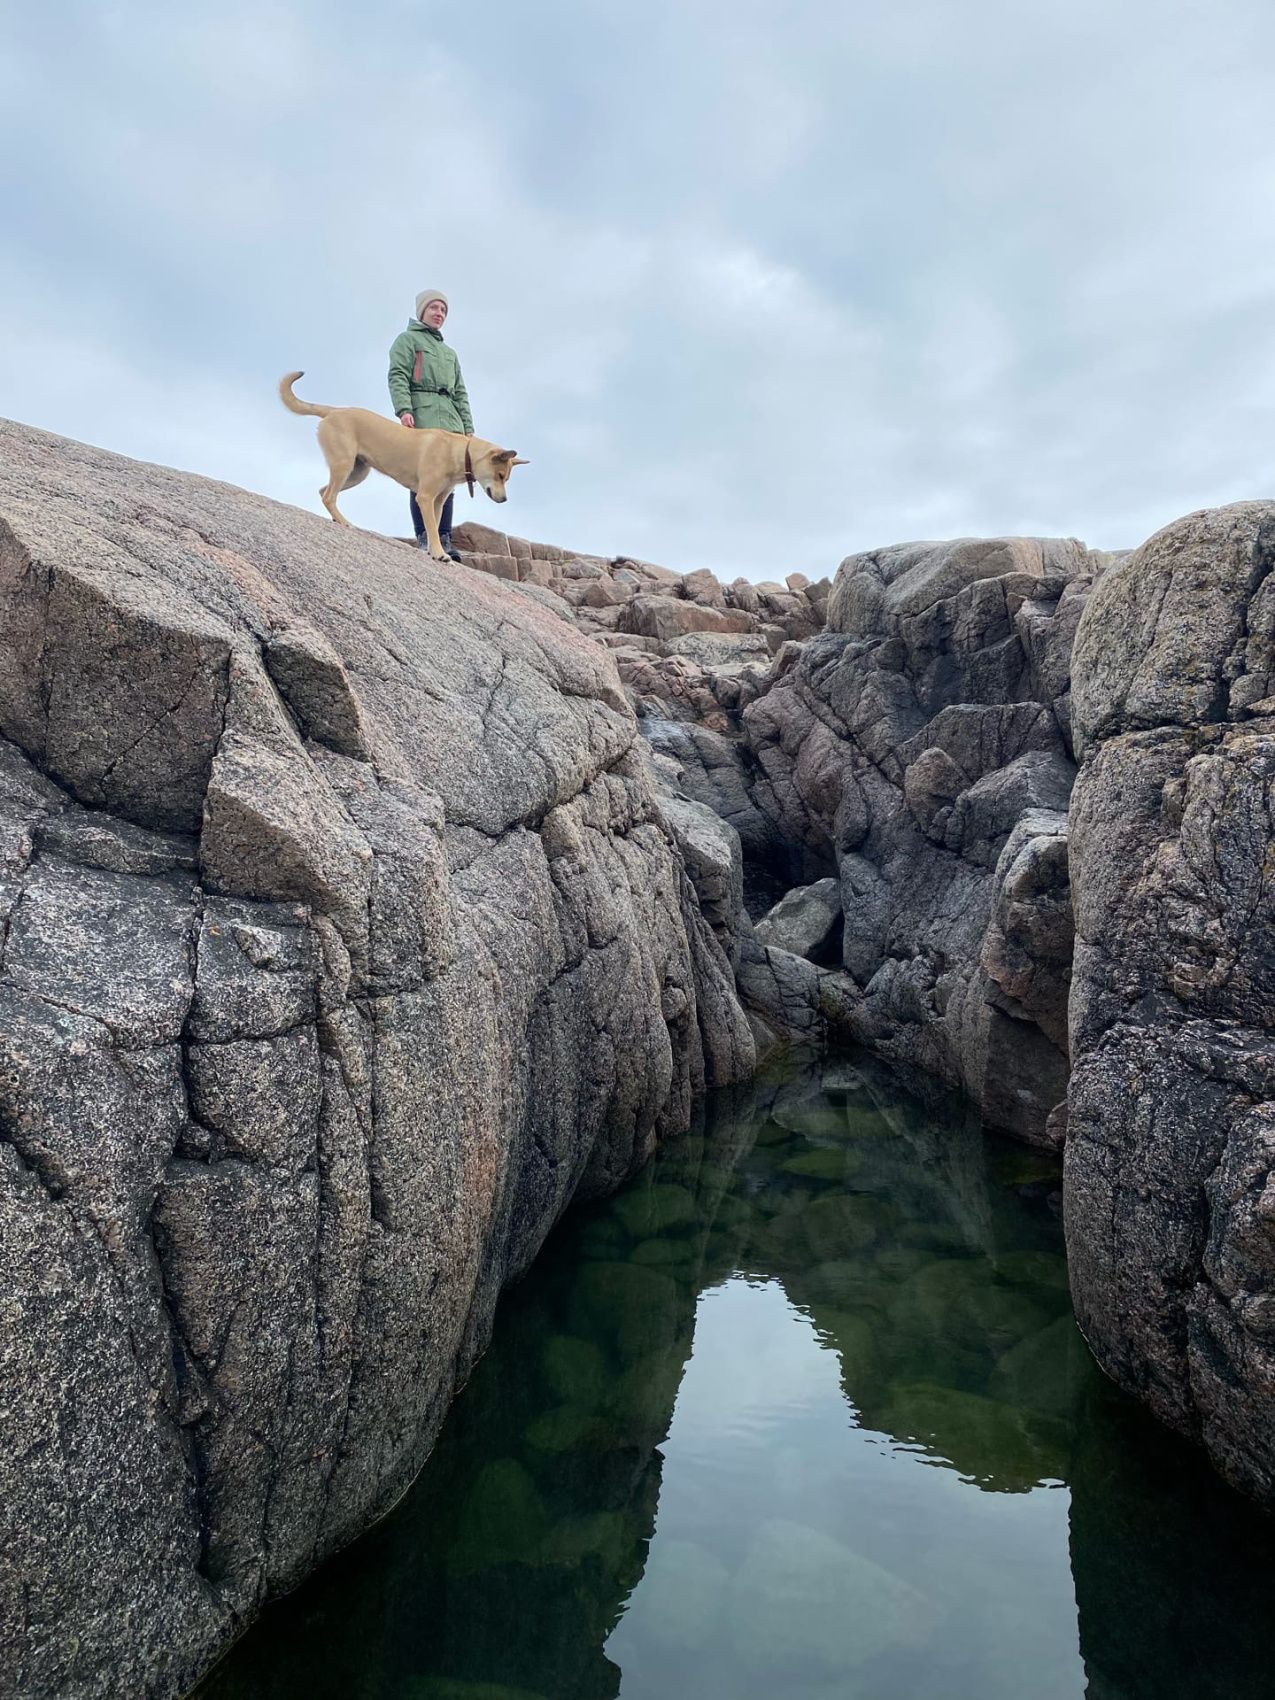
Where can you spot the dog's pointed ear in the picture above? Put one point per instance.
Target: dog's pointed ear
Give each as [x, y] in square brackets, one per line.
[519, 461]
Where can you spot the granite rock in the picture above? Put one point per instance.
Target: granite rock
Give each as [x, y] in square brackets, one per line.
[804, 919]
[1170, 1164]
[343, 942]
[919, 751]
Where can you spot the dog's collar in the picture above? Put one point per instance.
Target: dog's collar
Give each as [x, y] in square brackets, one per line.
[469, 468]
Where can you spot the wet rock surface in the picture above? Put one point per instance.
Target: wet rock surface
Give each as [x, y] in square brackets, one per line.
[343, 941]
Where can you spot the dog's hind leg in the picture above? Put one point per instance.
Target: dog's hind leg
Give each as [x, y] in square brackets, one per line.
[361, 469]
[329, 493]
[343, 459]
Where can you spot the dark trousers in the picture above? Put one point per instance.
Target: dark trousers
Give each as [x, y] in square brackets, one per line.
[444, 524]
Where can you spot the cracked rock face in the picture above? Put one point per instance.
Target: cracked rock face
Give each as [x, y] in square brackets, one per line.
[342, 943]
[1170, 1166]
[920, 750]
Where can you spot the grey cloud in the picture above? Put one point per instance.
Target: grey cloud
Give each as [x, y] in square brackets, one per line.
[751, 285]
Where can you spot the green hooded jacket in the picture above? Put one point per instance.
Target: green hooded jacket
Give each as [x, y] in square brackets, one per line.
[425, 380]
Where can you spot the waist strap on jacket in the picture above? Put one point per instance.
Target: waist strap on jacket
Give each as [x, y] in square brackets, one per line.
[430, 389]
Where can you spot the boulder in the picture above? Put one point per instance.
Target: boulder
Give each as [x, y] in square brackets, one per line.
[710, 850]
[715, 770]
[604, 592]
[721, 649]
[346, 942]
[669, 582]
[703, 586]
[666, 686]
[804, 920]
[531, 571]
[476, 539]
[499, 566]
[914, 742]
[667, 617]
[1170, 1168]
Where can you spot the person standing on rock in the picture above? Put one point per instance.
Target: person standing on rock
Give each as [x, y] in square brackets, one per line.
[427, 391]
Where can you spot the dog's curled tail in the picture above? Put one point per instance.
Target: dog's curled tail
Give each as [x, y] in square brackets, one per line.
[293, 403]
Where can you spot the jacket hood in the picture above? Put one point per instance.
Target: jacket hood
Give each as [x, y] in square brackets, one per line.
[416, 325]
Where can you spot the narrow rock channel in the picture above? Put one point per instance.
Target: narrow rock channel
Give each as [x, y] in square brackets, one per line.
[800, 1411]
[360, 916]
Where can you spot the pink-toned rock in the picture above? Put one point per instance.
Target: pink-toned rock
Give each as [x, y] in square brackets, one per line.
[651, 574]
[597, 619]
[550, 552]
[703, 587]
[606, 593]
[744, 595]
[672, 685]
[538, 572]
[630, 640]
[475, 539]
[779, 601]
[572, 590]
[580, 567]
[797, 582]
[666, 617]
[499, 566]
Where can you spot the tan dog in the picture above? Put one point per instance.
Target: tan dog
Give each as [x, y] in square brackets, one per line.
[429, 463]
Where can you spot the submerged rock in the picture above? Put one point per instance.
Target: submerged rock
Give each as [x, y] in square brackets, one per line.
[344, 943]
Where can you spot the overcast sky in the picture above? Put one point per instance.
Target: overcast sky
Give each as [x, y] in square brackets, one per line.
[752, 285]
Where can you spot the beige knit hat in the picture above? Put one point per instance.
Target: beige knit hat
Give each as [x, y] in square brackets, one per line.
[425, 297]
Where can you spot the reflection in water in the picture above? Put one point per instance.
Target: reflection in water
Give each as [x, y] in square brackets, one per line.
[888, 1470]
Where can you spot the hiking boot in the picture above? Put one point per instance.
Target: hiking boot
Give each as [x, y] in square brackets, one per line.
[445, 538]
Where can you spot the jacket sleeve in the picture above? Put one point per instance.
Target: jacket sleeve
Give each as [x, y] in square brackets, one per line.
[460, 395]
[401, 374]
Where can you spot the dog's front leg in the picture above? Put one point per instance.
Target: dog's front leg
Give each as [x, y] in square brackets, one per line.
[425, 501]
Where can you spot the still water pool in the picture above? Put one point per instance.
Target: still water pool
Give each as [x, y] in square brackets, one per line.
[800, 1415]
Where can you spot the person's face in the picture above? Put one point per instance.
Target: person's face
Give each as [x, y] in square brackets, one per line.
[435, 313]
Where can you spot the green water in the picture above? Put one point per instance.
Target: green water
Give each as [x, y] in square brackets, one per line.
[800, 1415]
